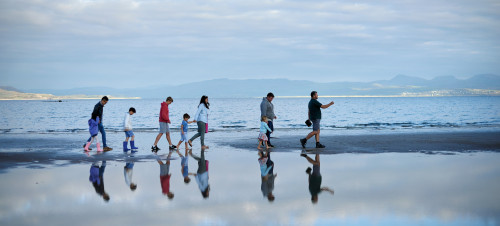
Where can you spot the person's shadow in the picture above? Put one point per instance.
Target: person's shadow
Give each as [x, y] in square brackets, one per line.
[97, 178]
[314, 178]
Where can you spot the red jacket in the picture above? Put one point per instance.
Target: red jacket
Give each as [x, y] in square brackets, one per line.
[164, 113]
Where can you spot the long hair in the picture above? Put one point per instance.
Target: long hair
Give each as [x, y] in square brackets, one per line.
[202, 101]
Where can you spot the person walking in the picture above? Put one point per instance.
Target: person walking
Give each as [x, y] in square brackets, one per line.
[164, 120]
[201, 119]
[315, 116]
[98, 110]
[267, 109]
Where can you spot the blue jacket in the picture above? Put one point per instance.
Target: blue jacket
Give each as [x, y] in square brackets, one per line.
[93, 126]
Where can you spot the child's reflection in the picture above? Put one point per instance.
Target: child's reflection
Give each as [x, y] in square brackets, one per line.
[128, 171]
[96, 177]
[267, 175]
[165, 176]
[315, 178]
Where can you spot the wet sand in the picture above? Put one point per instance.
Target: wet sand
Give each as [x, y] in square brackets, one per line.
[411, 180]
[430, 142]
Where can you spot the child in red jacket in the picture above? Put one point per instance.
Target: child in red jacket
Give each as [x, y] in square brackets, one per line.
[164, 128]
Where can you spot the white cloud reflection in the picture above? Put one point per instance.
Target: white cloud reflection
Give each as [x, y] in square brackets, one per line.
[369, 189]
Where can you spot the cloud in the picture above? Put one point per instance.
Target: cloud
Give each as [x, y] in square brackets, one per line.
[228, 33]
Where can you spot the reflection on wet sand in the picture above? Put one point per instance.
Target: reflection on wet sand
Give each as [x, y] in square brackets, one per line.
[165, 176]
[128, 171]
[97, 178]
[267, 174]
[314, 177]
[202, 174]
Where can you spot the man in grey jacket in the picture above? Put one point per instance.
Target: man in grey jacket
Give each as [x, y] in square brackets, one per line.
[267, 109]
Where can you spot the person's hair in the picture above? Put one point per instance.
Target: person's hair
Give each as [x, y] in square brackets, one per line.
[170, 195]
[170, 99]
[132, 110]
[105, 98]
[202, 101]
[270, 94]
[186, 116]
[313, 93]
[106, 197]
[205, 193]
[263, 118]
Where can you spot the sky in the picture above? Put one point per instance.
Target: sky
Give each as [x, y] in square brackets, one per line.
[125, 44]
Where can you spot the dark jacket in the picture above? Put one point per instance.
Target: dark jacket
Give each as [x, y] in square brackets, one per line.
[98, 109]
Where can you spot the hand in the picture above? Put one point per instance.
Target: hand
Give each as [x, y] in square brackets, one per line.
[331, 103]
[194, 120]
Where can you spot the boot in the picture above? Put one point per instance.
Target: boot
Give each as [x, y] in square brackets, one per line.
[132, 145]
[87, 146]
[99, 147]
[125, 149]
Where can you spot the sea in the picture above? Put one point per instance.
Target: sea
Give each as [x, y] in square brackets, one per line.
[227, 114]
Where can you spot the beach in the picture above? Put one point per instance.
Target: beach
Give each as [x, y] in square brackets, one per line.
[391, 178]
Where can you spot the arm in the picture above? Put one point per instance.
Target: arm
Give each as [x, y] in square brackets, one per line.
[263, 109]
[267, 127]
[126, 122]
[327, 189]
[182, 130]
[197, 113]
[327, 106]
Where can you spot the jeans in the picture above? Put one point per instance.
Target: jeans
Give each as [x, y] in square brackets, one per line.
[103, 134]
[201, 132]
[270, 124]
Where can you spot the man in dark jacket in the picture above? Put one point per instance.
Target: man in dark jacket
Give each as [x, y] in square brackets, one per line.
[267, 109]
[98, 110]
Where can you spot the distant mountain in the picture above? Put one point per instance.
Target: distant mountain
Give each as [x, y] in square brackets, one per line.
[15, 95]
[10, 88]
[485, 84]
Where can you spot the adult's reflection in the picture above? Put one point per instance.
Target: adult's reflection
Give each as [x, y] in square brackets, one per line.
[97, 178]
[267, 175]
[202, 173]
[315, 178]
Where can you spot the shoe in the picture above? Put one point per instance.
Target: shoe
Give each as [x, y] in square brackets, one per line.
[303, 142]
[172, 146]
[86, 146]
[270, 145]
[107, 149]
[132, 145]
[319, 145]
[90, 149]
[99, 147]
[303, 155]
[125, 148]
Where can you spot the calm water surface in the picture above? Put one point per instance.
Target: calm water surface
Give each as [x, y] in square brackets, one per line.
[383, 189]
[243, 114]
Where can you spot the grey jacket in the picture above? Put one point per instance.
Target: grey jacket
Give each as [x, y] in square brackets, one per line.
[267, 109]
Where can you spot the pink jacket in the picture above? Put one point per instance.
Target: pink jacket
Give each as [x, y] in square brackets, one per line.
[164, 113]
